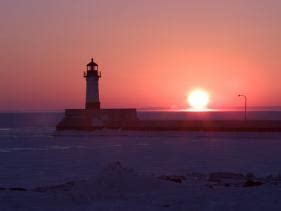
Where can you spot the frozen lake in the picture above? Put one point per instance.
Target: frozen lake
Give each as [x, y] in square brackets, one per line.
[33, 154]
[50, 157]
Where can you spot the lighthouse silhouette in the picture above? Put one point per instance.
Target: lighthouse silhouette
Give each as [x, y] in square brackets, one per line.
[94, 117]
[92, 76]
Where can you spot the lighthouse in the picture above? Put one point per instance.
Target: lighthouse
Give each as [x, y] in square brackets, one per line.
[92, 76]
[93, 117]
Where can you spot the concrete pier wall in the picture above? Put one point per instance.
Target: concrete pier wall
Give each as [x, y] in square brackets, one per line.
[207, 125]
[87, 119]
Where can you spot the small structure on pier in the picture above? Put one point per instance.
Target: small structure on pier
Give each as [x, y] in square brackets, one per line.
[92, 76]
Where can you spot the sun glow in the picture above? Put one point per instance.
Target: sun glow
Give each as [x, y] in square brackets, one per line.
[198, 99]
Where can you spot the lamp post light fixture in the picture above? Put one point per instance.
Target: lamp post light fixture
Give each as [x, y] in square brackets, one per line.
[245, 98]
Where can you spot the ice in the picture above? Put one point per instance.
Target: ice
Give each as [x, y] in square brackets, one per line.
[118, 187]
[41, 169]
[72, 155]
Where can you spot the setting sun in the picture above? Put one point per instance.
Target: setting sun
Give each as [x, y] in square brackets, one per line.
[198, 99]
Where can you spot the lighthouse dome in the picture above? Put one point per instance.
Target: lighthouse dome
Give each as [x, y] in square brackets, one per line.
[92, 63]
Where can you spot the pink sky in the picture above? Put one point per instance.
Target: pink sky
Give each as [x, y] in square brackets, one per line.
[151, 53]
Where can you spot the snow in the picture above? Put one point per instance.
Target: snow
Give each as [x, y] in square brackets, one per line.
[130, 170]
[118, 187]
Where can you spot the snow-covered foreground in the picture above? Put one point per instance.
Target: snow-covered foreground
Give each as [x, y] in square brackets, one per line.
[120, 188]
[122, 170]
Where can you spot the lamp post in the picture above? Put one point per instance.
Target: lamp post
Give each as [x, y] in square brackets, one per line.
[245, 98]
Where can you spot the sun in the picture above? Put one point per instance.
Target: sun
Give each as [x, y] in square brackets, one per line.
[198, 99]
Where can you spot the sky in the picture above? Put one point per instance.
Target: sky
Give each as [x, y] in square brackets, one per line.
[151, 53]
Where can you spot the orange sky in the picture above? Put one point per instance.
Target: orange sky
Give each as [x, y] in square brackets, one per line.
[151, 53]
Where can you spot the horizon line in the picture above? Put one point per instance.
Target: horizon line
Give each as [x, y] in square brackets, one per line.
[158, 108]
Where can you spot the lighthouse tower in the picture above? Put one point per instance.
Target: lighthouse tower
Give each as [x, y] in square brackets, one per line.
[92, 76]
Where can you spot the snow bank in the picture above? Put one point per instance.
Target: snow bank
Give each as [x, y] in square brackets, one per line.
[114, 180]
[118, 187]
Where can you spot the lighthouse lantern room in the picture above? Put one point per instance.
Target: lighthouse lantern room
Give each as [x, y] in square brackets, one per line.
[92, 76]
